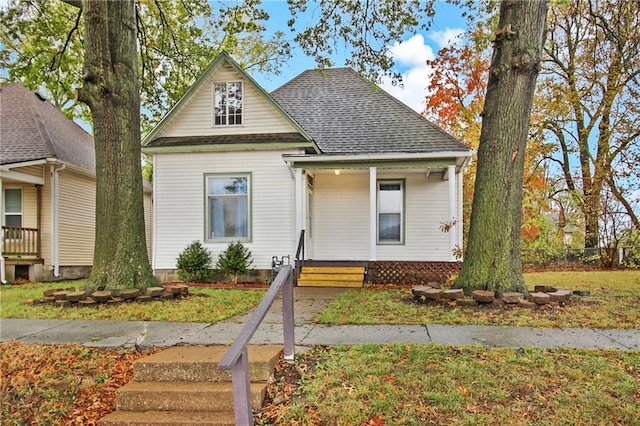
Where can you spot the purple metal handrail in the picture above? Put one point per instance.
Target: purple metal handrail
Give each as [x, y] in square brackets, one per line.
[299, 263]
[236, 357]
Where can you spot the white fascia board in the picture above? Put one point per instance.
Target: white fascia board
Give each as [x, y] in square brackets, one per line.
[23, 164]
[376, 157]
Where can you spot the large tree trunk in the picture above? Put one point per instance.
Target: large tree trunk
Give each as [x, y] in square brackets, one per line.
[492, 260]
[111, 90]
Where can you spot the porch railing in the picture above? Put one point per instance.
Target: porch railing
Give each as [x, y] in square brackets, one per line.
[20, 241]
[236, 357]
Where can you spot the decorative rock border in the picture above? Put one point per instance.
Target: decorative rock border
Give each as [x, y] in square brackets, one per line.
[542, 295]
[74, 297]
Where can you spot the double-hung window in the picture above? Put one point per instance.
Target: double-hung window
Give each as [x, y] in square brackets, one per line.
[228, 207]
[390, 212]
[227, 103]
[13, 210]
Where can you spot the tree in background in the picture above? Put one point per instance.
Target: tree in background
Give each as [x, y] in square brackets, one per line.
[589, 90]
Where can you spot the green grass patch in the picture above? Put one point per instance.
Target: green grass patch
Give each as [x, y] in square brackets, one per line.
[202, 305]
[442, 385]
[613, 303]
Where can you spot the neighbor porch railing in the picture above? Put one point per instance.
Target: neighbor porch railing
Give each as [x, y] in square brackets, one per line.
[236, 357]
[20, 241]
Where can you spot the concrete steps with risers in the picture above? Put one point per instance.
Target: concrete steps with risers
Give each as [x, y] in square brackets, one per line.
[183, 385]
[331, 276]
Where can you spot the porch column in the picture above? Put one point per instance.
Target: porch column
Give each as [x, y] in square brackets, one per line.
[299, 200]
[2, 275]
[460, 228]
[373, 223]
[453, 214]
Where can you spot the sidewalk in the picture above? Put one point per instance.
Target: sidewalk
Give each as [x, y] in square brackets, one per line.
[308, 302]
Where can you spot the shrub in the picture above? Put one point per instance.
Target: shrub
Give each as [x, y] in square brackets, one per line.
[194, 263]
[235, 260]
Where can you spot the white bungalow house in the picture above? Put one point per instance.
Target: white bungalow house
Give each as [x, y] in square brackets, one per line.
[328, 160]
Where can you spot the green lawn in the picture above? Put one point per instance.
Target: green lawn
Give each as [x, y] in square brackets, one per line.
[203, 305]
[613, 303]
[442, 385]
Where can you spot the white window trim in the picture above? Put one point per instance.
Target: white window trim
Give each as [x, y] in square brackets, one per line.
[213, 104]
[402, 184]
[207, 215]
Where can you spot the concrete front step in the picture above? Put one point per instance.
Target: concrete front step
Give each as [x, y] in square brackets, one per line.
[200, 364]
[182, 396]
[168, 418]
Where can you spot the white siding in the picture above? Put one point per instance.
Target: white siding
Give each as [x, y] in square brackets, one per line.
[196, 116]
[179, 203]
[341, 218]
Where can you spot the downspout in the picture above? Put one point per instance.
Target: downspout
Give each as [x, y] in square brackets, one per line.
[2, 272]
[54, 219]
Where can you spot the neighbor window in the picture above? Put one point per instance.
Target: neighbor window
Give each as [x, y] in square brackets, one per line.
[228, 207]
[227, 103]
[13, 210]
[390, 211]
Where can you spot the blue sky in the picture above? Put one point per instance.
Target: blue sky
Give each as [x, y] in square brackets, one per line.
[410, 55]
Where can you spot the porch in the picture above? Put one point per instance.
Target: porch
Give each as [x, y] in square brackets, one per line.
[21, 256]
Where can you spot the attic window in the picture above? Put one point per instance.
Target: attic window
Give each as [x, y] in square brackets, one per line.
[227, 103]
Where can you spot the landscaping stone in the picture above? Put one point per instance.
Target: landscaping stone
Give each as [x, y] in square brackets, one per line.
[543, 289]
[512, 297]
[434, 284]
[62, 302]
[76, 296]
[51, 291]
[155, 291]
[418, 291]
[101, 296]
[483, 296]
[433, 294]
[539, 298]
[144, 298]
[560, 295]
[522, 303]
[453, 294]
[581, 293]
[115, 301]
[467, 302]
[130, 294]
[87, 302]
[60, 295]
[173, 289]
[48, 299]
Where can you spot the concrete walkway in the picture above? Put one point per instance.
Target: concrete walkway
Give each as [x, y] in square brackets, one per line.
[308, 303]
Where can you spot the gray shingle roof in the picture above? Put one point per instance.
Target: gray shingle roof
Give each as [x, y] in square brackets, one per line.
[31, 128]
[345, 114]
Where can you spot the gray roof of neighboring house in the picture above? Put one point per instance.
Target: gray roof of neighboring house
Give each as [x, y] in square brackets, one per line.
[31, 128]
[345, 114]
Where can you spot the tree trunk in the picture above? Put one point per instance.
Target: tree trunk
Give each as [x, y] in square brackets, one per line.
[111, 90]
[492, 261]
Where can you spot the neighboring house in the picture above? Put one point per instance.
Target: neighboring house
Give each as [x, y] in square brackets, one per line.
[47, 190]
[328, 153]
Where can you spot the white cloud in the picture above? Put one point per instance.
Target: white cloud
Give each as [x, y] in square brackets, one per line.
[410, 57]
[412, 53]
[448, 36]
